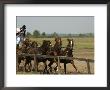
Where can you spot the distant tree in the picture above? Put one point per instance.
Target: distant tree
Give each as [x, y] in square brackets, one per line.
[70, 35]
[90, 34]
[81, 35]
[36, 33]
[54, 34]
[43, 34]
[28, 34]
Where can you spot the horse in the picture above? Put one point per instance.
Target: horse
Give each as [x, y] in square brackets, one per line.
[32, 48]
[28, 47]
[55, 51]
[44, 49]
[69, 53]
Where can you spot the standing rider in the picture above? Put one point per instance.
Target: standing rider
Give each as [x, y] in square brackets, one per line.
[20, 35]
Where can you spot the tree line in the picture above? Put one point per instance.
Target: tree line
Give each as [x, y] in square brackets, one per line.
[37, 34]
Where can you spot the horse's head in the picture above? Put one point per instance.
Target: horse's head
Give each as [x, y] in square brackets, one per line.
[46, 46]
[58, 40]
[57, 45]
[69, 49]
[46, 43]
[70, 42]
[34, 44]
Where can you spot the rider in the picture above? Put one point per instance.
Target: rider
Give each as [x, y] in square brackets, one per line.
[23, 30]
[20, 35]
[17, 36]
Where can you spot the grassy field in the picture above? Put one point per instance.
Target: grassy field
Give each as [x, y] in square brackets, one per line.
[84, 48]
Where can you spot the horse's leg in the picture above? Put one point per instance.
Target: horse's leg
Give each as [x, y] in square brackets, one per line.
[37, 63]
[65, 67]
[28, 67]
[56, 68]
[45, 65]
[72, 62]
[50, 65]
[56, 64]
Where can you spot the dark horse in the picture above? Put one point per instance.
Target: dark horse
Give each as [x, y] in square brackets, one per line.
[28, 47]
[57, 51]
[44, 49]
[69, 53]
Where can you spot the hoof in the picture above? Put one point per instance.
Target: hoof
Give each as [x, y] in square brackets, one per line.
[77, 71]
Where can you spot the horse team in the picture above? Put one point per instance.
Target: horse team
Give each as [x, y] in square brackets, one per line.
[27, 64]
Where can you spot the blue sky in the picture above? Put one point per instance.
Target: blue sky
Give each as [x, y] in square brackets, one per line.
[59, 24]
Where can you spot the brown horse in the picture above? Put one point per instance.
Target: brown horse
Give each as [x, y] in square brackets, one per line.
[28, 47]
[55, 51]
